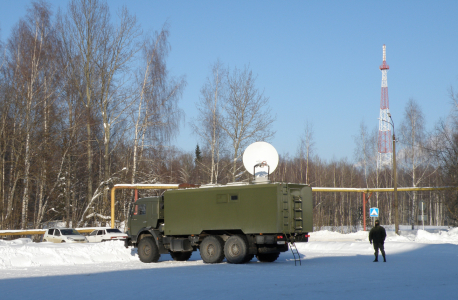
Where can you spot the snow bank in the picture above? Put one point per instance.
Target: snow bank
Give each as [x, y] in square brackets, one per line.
[434, 235]
[442, 237]
[25, 253]
[326, 235]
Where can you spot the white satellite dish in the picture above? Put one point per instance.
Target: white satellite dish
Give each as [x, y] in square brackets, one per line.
[260, 157]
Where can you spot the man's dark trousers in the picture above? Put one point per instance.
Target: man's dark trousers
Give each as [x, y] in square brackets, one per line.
[378, 246]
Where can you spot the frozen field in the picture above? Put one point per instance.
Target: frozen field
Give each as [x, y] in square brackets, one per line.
[420, 265]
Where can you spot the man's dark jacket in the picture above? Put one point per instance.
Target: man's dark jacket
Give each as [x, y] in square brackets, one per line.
[377, 234]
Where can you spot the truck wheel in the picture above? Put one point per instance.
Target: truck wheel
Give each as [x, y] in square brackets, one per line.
[236, 249]
[267, 257]
[180, 256]
[211, 249]
[147, 250]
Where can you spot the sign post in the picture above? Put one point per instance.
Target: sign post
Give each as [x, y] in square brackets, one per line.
[373, 212]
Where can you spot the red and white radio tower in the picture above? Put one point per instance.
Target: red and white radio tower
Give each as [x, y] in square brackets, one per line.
[385, 150]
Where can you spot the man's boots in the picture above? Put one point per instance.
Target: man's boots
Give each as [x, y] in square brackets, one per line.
[384, 258]
[376, 257]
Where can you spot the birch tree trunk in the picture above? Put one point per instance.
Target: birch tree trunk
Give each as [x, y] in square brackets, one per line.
[28, 118]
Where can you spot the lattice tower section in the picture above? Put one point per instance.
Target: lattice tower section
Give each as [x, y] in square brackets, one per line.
[385, 146]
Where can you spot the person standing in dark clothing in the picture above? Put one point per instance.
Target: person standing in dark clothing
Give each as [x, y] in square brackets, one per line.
[377, 237]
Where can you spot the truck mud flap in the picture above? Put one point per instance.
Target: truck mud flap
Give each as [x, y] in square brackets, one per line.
[127, 242]
[301, 238]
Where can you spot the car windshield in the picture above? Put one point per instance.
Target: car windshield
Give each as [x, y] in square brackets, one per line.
[113, 231]
[69, 232]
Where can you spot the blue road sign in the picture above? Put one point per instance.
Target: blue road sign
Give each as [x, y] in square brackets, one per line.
[373, 212]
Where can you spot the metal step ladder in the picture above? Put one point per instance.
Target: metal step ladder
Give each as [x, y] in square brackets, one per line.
[297, 257]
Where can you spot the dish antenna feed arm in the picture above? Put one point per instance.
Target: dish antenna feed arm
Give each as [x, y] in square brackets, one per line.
[261, 165]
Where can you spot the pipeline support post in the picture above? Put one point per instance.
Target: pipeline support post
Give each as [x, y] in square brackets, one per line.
[113, 207]
[364, 207]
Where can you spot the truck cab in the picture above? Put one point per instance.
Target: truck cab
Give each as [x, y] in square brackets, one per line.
[145, 214]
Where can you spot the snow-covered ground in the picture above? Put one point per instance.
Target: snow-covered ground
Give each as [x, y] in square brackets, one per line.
[421, 264]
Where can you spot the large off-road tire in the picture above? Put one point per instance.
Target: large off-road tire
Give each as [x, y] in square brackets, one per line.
[236, 249]
[212, 249]
[147, 250]
[268, 257]
[180, 256]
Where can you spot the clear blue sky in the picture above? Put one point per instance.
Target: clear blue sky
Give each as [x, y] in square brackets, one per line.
[317, 61]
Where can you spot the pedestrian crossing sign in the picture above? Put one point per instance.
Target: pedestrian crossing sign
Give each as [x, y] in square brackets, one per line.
[373, 212]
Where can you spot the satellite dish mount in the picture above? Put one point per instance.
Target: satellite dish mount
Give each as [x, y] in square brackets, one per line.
[261, 165]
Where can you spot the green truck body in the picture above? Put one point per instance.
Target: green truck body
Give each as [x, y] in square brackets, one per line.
[222, 221]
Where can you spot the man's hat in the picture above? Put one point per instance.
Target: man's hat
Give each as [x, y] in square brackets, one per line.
[377, 222]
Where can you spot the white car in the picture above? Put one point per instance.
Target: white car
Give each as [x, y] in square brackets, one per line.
[103, 235]
[63, 235]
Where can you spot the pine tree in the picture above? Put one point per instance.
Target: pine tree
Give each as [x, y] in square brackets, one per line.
[198, 157]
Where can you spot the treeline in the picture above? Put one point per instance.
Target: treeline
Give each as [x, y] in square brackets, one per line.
[87, 102]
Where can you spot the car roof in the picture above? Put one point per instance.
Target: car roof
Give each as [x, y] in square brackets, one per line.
[60, 228]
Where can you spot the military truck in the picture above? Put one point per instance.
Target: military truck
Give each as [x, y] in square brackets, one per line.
[234, 221]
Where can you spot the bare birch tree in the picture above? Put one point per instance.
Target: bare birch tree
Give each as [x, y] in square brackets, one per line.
[415, 156]
[3, 120]
[306, 149]
[83, 33]
[120, 48]
[207, 125]
[157, 116]
[102, 52]
[366, 151]
[31, 51]
[246, 115]
[444, 148]
[11, 146]
[154, 51]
